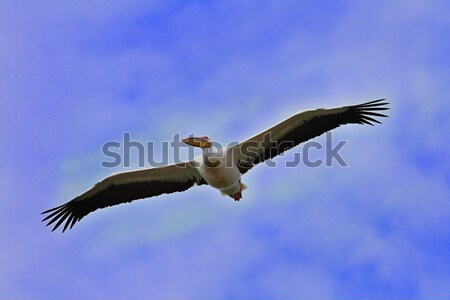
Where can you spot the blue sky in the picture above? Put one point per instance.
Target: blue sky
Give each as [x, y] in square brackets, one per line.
[75, 75]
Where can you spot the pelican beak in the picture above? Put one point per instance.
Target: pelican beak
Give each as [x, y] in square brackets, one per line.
[201, 142]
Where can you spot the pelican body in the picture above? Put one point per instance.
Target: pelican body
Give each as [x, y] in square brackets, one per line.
[218, 168]
[221, 168]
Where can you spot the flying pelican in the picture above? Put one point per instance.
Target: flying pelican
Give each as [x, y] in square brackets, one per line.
[221, 169]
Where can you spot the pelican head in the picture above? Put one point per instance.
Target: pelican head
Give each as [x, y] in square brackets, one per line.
[201, 142]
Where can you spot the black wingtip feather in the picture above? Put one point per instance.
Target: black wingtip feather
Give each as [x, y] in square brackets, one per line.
[73, 222]
[52, 209]
[61, 220]
[370, 119]
[374, 108]
[59, 215]
[365, 112]
[53, 213]
[372, 102]
[374, 114]
[68, 222]
[365, 122]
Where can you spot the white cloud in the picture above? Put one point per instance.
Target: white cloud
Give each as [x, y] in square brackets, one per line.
[309, 232]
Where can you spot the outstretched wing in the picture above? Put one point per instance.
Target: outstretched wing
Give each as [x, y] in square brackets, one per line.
[125, 187]
[300, 128]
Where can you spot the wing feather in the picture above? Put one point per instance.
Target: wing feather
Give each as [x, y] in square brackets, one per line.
[122, 188]
[300, 128]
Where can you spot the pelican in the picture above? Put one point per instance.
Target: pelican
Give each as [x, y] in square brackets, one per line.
[222, 169]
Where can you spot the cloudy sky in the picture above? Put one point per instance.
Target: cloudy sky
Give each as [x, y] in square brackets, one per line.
[75, 75]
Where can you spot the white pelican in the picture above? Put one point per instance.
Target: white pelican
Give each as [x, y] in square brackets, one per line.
[221, 169]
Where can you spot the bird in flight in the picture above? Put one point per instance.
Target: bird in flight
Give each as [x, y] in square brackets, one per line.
[222, 169]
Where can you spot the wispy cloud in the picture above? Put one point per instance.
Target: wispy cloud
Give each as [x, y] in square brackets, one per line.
[76, 75]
